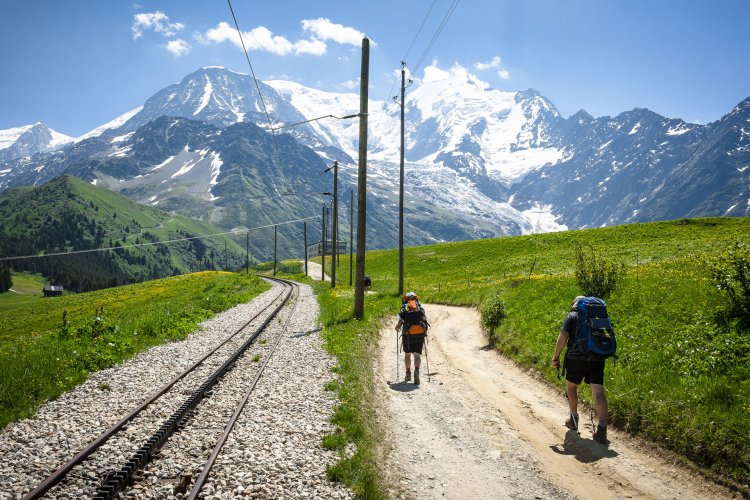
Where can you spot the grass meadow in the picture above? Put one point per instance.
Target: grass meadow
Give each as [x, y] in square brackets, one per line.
[50, 345]
[682, 377]
[681, 380]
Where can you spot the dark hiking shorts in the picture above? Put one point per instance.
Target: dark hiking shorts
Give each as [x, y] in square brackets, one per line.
[412, 342]
[578, 370]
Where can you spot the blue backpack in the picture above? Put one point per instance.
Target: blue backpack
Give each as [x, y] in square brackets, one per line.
[595, 336]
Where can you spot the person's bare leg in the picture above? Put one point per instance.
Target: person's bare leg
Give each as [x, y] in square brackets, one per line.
[572, 390]
[600, 403]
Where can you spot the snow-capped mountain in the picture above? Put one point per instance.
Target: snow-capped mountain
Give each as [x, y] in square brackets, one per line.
[480, 162]
[28, 140]
[214, 95]
[110, 125]
[640, 166]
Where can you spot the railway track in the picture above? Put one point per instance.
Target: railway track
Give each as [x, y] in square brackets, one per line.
[117, 460]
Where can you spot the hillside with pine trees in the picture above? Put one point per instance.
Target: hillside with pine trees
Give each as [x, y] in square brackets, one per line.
[86, 238]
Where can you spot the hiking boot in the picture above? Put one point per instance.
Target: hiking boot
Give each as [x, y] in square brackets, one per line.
[416, 376]
[572, 423]
[600, 435]
[408, 376]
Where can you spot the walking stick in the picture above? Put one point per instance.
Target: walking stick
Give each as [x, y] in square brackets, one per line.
[426, 357]
[397, 356]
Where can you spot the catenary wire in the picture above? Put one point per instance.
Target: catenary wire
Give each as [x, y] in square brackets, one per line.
[257, 86]
[439, 30]
[418, 32]
[403, 62]
[356, 115]
[154, 243]
[326, 193]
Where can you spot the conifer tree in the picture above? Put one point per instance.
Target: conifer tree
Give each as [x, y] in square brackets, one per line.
[5, 278]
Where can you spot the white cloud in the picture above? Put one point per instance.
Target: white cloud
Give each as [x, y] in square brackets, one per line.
[350, 84]
[178, 47]
[157, 21]
[494, 63]
[323, 29]
[433, 73]
[312, 47]
[503, 73]
[261, 39]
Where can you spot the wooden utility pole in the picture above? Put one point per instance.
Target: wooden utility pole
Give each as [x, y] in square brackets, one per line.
[274, 250]
[335, 228]
[323, 245]
[401, 193]
[304, 224]
[364, 82]
[226, 257]
[351, 232]
[247, 252]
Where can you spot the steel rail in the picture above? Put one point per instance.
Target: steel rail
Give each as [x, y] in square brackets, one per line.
[195, 491]
[118, 480]
[94, 445]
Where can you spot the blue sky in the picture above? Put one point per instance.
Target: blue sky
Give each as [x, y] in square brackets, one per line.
[76, 64]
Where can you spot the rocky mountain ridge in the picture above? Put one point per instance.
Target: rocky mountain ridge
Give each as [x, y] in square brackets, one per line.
[480, 162]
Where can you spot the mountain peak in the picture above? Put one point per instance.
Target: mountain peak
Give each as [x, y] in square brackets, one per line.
[582, 117]
[742, 107]
[28, 140]
[528, 94]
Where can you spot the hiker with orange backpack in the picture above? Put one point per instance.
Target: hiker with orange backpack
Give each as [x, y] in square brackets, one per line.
[413, 326]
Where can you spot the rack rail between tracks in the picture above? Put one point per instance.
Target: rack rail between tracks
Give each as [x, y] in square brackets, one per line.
[116, 481]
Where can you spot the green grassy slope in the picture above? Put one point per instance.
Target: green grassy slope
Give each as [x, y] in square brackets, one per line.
[68, 214]
[27, 288]
[683, 374]
[52, 344]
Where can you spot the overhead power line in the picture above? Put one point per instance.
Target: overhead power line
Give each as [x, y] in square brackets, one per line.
[154, 243]
[418, 32]
[301, 193]
[316, 119]
[403, 62]
[257, 86]
[435, 36]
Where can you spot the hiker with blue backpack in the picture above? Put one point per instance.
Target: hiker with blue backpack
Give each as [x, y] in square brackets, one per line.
[588, 334]
[412, 325]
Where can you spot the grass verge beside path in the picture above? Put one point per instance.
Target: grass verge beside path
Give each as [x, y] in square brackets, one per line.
[682, 379]
[354, 343]
[53, 344]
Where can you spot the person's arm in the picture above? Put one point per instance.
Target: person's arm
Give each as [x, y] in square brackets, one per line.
[562, 339]
[398, 325]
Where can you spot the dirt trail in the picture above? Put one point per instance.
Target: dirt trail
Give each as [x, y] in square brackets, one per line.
[314, 270]
[484, 428]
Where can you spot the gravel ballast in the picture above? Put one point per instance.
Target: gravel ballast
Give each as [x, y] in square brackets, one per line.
[275, 447]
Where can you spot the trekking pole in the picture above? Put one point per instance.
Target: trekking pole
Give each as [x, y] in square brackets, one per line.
[397, 355]
[426, 357]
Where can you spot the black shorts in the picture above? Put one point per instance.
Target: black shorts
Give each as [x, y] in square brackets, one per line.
[590, 370]
[412, 342]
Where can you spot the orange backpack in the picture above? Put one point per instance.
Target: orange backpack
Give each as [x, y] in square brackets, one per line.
[414, 317]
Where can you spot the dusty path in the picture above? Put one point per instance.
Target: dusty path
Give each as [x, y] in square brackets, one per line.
[314, 271]
[483, 428]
